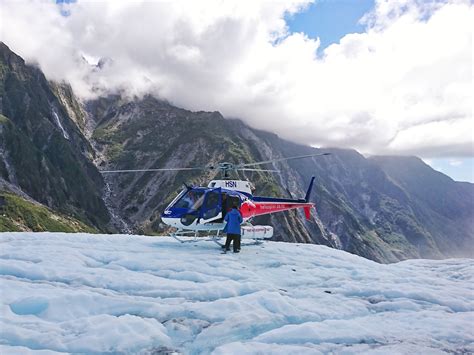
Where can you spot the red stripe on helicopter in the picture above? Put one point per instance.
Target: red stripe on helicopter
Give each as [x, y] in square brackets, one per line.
[251, 209]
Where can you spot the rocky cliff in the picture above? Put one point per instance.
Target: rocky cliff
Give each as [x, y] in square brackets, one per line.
[52, 145]
[366, 206]
[42, 149]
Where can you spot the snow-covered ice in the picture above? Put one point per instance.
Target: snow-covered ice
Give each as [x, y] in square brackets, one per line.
[81, 293]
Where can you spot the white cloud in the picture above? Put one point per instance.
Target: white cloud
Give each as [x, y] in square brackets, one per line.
[455, 162]
[404, 86]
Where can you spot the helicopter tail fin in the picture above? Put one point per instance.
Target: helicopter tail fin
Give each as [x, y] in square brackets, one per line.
[308, 193]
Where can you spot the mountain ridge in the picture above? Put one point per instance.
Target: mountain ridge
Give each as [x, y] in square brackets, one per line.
[367, 206]
[360, 208]
[43, 151]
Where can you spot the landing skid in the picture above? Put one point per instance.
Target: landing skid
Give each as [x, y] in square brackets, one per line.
[180, 234]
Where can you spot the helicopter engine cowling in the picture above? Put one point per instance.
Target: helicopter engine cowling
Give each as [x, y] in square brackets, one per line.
[248, 209]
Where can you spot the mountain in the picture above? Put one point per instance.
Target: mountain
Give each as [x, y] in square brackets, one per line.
[364, 205]
[42, 150]
[442, 205]
[151, 133]
[102, 294]
[383, 208]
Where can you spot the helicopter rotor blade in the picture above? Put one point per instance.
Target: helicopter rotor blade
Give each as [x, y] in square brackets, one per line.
[224, 168]
[266, 170]
[281, 159]
[146, 170]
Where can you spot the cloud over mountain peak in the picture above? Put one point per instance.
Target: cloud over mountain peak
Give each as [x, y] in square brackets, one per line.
[402, 87]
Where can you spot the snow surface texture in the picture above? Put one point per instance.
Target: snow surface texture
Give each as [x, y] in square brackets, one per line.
[85, 293]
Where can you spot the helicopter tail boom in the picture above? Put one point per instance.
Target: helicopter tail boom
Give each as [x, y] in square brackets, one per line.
[254, 208]
[266, 205]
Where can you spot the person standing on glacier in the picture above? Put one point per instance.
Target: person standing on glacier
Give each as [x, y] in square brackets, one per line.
[232, 228]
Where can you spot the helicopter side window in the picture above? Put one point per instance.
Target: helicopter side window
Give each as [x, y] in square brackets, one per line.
[224, 204]
[231, 201]
[191, 200]
[211, 206]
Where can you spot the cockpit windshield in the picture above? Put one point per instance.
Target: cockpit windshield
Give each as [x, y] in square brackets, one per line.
[192, 199]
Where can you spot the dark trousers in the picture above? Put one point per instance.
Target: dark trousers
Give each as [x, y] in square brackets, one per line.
[235, 238]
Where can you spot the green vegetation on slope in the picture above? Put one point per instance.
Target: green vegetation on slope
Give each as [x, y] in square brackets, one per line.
[18, 214]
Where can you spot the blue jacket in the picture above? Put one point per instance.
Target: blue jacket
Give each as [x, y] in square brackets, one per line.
[233, 219]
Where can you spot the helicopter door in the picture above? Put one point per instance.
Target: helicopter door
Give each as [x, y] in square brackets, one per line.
[211, 209]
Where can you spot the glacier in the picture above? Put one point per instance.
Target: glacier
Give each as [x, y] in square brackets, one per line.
[85, 293]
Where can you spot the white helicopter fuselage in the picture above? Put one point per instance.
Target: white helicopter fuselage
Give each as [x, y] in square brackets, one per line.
[204, 208]
[243, 190]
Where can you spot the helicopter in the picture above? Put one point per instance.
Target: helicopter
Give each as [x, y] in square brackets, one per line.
[197, 208]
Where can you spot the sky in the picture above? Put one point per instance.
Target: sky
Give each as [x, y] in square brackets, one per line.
[330, 20]
[385, 77]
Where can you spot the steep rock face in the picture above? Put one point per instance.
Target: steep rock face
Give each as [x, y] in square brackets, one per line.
[443, 206]
[149, 133]
[42, 150]
[73, 107]
[382, 208]
[347, 193]
[360, 206]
